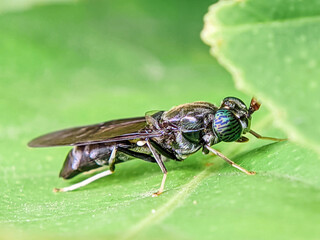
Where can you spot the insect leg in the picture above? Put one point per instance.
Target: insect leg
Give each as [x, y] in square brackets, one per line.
[233, 164]
[94, 170]
[266, 138]
[134, 154]
[161, 165]
[93, 178]
[112, 159]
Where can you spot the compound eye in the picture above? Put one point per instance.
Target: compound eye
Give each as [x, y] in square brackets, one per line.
[227, 127]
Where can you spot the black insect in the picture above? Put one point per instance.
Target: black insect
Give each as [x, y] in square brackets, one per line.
[173, 134]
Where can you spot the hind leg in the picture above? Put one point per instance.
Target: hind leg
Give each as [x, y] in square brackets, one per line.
[84, 183]
[93, 178]
[94, 170]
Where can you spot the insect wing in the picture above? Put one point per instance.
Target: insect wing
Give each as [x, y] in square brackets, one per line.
[111, 131]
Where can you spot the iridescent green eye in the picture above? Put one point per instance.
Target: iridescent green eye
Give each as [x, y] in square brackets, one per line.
[227, 127]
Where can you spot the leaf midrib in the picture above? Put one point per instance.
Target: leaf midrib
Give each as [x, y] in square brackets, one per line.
[186, 190]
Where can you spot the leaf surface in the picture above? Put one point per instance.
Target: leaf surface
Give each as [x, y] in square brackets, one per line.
[70, 65]
[272, 50]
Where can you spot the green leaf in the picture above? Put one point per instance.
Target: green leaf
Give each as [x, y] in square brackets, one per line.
[15, 5]
[272, 49]
[68, 65]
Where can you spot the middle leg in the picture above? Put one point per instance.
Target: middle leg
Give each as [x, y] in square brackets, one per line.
[162, 167]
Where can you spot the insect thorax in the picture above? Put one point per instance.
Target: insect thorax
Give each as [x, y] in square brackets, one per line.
[186, 128]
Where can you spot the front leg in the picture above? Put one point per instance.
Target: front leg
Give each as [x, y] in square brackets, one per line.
[257, 135]
[232, 163]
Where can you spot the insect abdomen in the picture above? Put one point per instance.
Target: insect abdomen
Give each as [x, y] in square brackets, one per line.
[78, 160]
[84, 158]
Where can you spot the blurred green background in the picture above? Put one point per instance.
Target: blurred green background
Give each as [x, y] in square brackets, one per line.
[76, 63]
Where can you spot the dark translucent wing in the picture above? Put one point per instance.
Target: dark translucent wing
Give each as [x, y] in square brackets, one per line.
[111, 131]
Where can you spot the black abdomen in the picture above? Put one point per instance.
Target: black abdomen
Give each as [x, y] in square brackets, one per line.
[84, 158]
